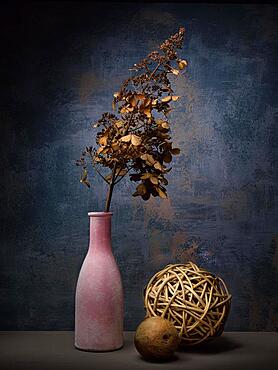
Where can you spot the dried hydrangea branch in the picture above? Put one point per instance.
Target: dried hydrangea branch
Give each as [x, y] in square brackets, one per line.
[137, 137]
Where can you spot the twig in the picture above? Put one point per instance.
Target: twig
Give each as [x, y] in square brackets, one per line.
[99, 173]
[121, 177]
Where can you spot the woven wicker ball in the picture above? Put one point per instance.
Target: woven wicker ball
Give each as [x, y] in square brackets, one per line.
[193, 299]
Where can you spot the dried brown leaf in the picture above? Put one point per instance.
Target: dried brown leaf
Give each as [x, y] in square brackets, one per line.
[167, 111]
[146, 196]
[119, 123]
[175, 151]
[161, 193]
[103, 140]
[147, 112]
[148, 158]
[133, 101]
[154, 180]
[135, 140]
[158, 166]
[141, 189]
[140, 96]
[167, 158]
[115, 146]
[126, 139]
[108, 177]
[166, 99]
[84, 178]
[145, 176]
[147, 102]
[182, 64]
[122, 172]
[176, 72]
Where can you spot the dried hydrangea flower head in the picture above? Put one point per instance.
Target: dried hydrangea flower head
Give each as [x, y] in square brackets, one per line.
[135, 140]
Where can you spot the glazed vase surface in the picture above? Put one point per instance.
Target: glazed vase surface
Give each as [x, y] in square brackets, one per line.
[99, 293]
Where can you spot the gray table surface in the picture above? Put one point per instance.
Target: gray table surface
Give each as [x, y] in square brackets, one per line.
[45, 350]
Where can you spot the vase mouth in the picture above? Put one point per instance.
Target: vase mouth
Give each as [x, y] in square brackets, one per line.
[100, 214]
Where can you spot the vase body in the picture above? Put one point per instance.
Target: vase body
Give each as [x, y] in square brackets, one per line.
[99, 292]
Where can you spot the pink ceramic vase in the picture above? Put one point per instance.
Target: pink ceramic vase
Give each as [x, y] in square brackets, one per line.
[99, 292]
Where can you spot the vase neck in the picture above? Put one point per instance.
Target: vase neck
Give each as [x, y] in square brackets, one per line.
[100, 231]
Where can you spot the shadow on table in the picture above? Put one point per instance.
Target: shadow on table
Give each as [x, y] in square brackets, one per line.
[174, 358]
[218, 345]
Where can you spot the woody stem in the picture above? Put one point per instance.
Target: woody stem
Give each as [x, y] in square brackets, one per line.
[110, 190]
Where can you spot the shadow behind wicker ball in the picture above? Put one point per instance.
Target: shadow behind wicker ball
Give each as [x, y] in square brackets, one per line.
[193, 299]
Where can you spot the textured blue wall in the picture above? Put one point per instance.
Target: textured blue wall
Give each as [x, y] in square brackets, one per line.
[60, 64]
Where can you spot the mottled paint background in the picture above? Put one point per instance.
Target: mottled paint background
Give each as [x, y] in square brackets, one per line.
[60, 64]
